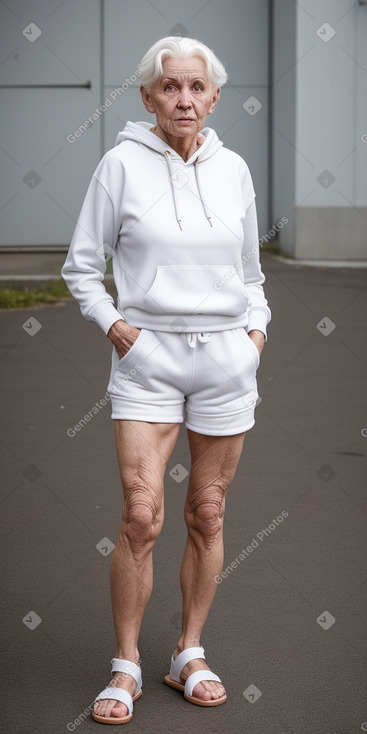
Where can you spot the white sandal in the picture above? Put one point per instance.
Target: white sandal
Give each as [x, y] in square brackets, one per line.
[173, 679]
[119, 694]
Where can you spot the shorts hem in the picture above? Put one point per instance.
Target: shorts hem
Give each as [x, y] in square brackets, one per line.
[130, 410]
[145, 420]
[228, 431]
[146, 414]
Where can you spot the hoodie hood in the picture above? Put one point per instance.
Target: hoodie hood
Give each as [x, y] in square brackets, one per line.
[139, 132]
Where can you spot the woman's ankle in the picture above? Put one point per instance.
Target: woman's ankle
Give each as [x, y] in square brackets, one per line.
[128, 654]
[184, 643]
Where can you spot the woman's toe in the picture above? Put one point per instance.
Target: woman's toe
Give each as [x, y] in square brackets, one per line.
[208, 690]
[110, 708]
[216, 692]
[119, 710]
[200, 691]
[219, 690]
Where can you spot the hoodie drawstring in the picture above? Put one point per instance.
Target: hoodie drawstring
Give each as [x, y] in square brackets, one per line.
[196, 167]
[193, 338]
[173, 181]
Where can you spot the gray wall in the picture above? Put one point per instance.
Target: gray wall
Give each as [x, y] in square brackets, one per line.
[34, 122]
[45, 167]
[320, 128]
[283, 118]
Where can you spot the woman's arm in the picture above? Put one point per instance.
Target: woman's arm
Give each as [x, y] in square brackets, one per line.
[94, 237]
[259, 311]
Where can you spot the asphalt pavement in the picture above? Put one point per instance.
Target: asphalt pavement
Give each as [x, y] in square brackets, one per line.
[287, 630]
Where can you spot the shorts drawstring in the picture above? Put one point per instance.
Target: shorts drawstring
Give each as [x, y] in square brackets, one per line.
[194, 337]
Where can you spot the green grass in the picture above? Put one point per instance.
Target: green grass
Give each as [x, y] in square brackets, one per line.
[52, 291]
[270, 247]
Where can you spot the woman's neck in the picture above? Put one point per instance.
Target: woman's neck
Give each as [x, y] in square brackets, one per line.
[185, 147]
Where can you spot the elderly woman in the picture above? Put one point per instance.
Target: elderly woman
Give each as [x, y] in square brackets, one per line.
[177, 212]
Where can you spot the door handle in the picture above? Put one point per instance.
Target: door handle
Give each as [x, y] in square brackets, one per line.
[86, 85]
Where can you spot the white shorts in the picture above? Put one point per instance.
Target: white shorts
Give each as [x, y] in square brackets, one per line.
[209, 376]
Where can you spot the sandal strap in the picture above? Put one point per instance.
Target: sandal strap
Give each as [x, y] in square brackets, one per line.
[127, 666]
[198, 677]
[116, 694]
[184, 657]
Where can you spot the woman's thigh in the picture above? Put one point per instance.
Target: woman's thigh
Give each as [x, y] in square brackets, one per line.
[143, 451]
[214, 460]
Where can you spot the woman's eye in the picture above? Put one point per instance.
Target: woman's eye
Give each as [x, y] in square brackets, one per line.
[169, 87]
[198, 88]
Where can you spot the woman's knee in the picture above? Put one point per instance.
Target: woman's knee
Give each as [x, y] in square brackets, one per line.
[204, 515]
[142, 517]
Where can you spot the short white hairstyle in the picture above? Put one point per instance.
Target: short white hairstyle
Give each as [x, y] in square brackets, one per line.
[151, 69]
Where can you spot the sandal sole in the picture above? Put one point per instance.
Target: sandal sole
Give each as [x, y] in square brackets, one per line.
[111, 720]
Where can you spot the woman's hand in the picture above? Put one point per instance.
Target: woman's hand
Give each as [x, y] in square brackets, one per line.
[258, 338]
[123, 336]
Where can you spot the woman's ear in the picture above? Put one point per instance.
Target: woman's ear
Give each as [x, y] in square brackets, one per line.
[214, 102]
[147, 100]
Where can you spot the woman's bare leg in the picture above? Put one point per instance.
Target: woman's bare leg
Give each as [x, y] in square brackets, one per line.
[214, 463]
[143, 452]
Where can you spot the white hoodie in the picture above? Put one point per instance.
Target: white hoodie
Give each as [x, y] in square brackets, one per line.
[183, 236]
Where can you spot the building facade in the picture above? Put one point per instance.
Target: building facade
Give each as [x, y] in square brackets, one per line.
[295, 107]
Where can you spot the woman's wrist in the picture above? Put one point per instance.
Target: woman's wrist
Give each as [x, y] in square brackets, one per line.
[258, 333]
[115, 328]
[258, 337]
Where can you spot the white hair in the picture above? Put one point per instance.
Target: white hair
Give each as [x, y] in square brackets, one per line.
[151, 69]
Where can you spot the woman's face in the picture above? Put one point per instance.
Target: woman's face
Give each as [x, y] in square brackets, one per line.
[182, 97]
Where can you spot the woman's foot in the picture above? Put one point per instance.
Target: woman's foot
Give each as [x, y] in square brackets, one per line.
[110, 707]
[207, 690]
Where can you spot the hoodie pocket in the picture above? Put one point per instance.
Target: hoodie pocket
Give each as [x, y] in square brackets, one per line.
[195, 289]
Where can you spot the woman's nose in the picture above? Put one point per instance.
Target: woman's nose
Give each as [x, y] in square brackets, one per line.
[184, 99]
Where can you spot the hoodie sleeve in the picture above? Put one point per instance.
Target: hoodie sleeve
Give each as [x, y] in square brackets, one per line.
[93, 243]
[259, 311]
